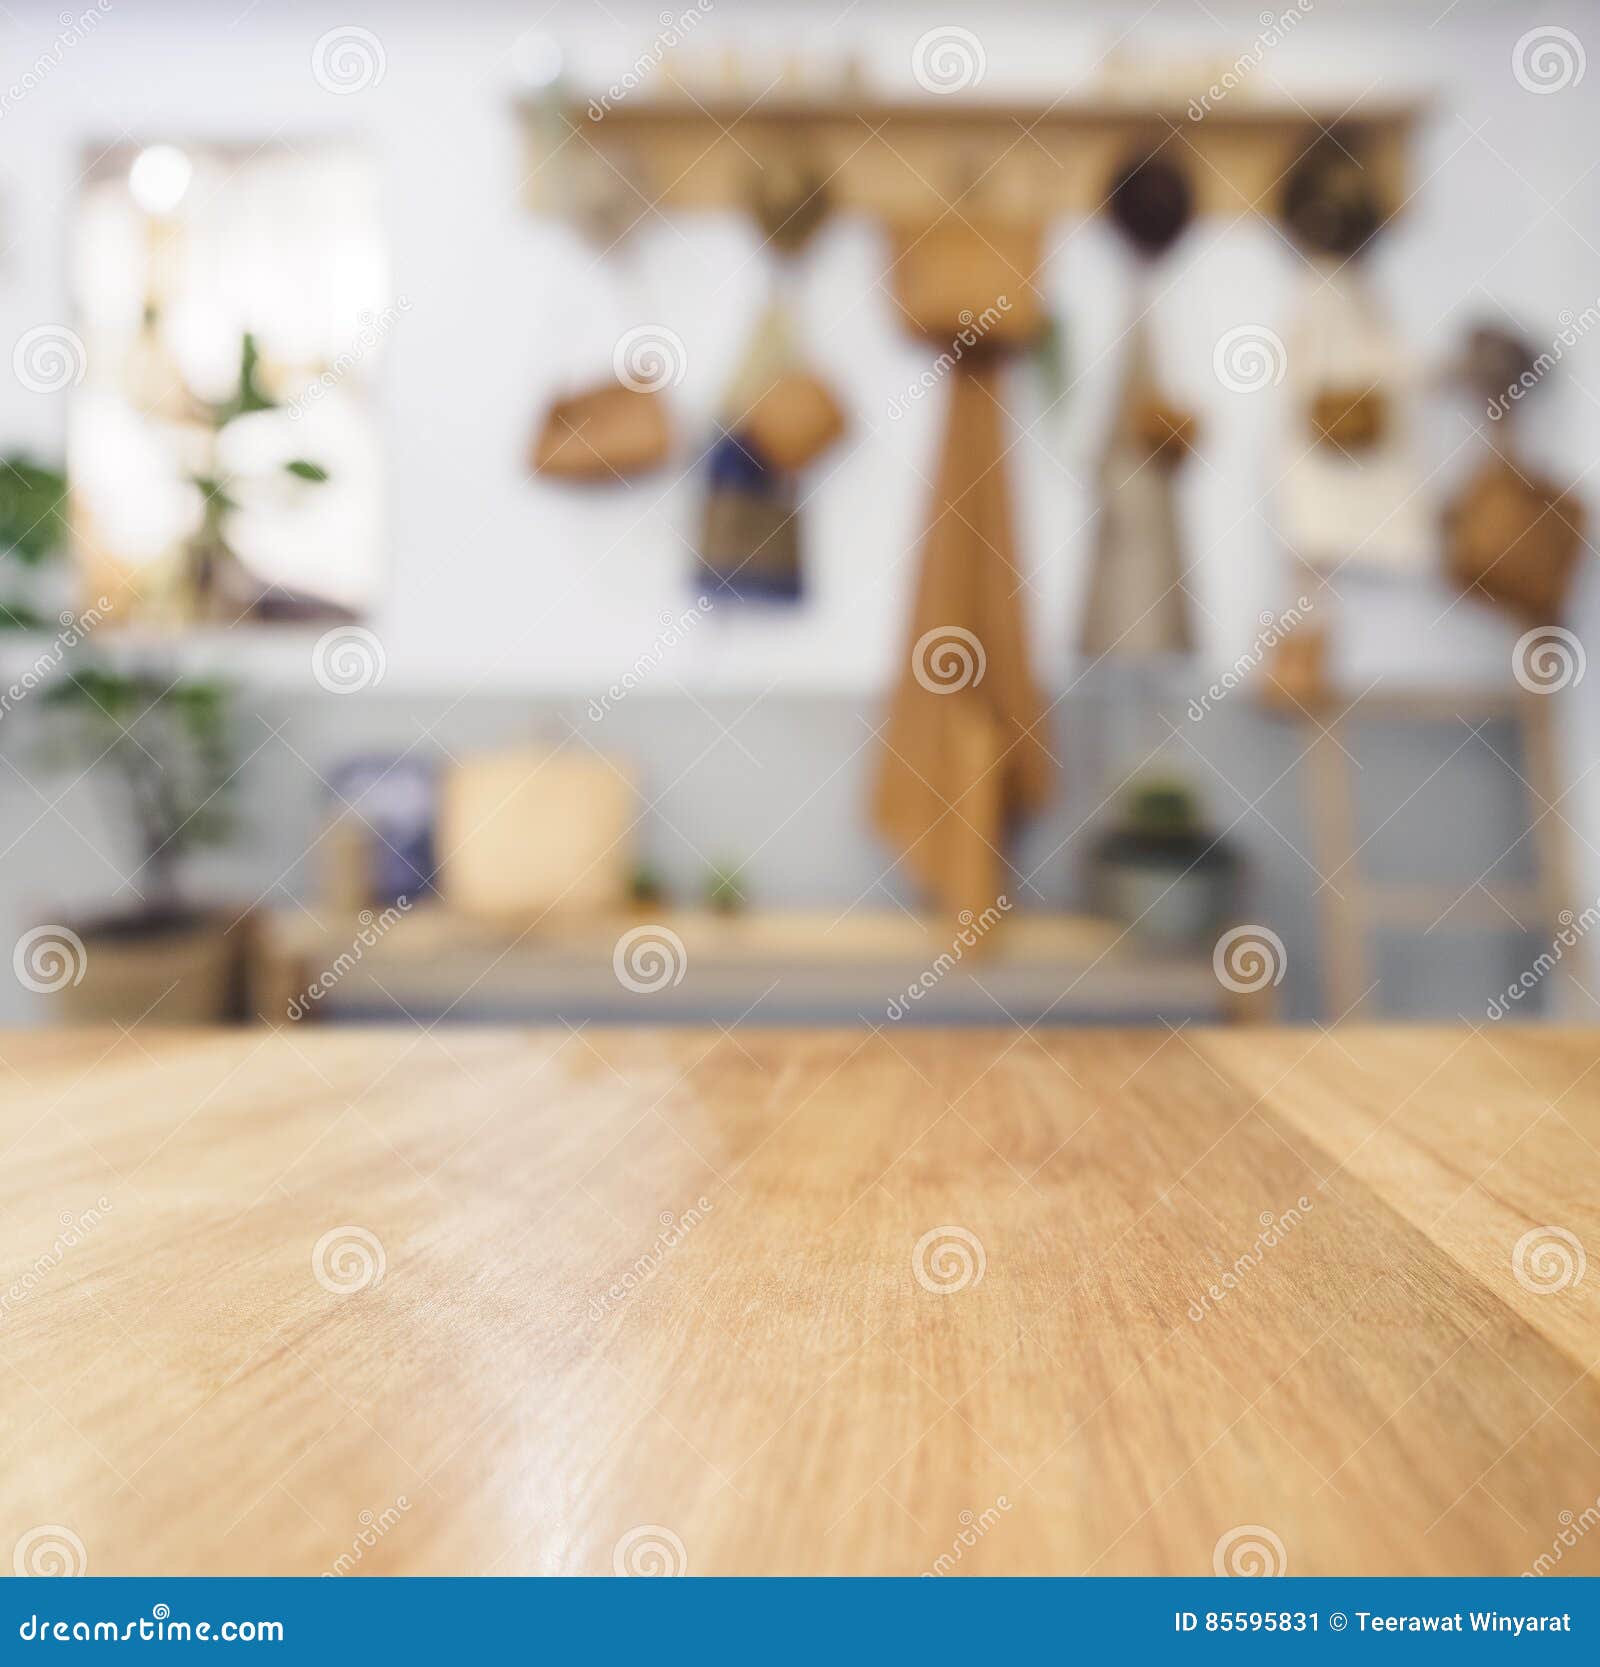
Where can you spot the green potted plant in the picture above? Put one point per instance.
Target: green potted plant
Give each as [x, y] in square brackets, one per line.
[723, 893]
[163, 745]
[1161, 871]
[646, 890]
[33, 528]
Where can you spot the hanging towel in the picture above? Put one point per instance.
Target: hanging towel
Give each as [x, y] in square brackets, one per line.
[965, 757]
[1351, 488]
[1137, 603]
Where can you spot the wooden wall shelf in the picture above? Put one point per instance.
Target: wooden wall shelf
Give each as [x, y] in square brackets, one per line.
[906, 160]
[1043, 968]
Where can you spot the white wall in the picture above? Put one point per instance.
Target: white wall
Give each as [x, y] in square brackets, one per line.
[529, 585]
[501, 583]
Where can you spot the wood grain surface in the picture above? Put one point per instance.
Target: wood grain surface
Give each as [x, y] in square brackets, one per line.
[752, 1302]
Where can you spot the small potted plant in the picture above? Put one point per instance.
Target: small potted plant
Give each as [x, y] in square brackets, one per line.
[164, 745]
[724, 895]
[646, 889]
[33, 529]
[1161, 871]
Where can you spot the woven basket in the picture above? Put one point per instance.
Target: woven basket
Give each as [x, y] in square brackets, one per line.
[1515, 536]
[1350, 418]
[977, 281]
[795, 421]
[603, 434]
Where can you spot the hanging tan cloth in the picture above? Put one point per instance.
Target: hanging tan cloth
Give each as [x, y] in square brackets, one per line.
[1137, 604]
[1351, 488]
[965, 756]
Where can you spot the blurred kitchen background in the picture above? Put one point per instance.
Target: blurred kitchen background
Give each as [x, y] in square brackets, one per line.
[469, 474]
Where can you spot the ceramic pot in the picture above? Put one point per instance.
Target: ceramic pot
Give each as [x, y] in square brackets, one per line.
[178, 969]
[1171, 889]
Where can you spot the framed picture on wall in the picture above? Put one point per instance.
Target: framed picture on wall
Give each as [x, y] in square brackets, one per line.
[233, 305]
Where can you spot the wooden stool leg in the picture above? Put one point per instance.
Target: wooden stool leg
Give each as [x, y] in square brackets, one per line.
[1553, 881]
[1346, 971]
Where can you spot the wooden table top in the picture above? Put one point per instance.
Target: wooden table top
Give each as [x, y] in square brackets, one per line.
[971, 1302]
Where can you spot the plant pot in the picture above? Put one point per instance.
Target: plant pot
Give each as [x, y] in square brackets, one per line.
[1172, 890]
[179, 968]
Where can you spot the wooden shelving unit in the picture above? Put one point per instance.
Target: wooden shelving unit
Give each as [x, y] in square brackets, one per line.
[1354, 906]
[909, 159]
[795, 966]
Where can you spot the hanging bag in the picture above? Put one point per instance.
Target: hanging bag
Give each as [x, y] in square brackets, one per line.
[604, 430]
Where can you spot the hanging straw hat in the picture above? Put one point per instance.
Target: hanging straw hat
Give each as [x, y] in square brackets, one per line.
[1330, 202]
[1151, 203]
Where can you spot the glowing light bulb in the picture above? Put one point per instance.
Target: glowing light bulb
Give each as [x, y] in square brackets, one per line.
[536, 59]
[159, 177]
